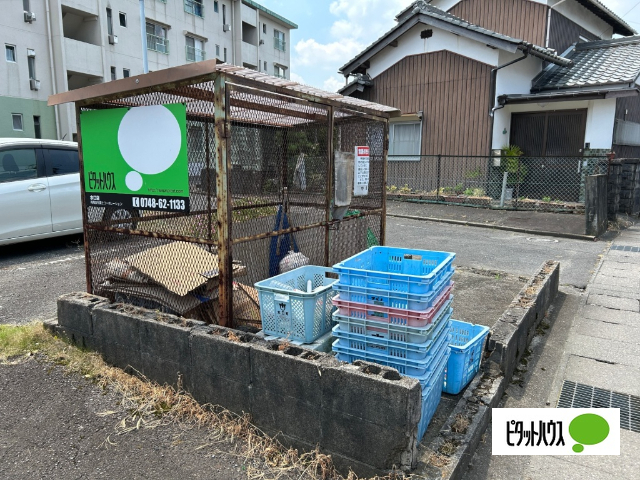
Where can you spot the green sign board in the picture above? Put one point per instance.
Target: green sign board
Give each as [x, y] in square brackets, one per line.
[136, 157]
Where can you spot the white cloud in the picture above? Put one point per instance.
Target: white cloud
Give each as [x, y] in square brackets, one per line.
[358, 23]
[325, 55]
[297, 78]
[333, 84]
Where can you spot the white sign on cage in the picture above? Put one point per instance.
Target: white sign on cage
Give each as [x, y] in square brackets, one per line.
[361, 173]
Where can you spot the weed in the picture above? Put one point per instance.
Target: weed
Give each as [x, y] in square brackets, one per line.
[460, 424]
[546, 199]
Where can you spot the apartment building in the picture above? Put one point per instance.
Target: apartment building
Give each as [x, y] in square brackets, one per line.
[51, 46]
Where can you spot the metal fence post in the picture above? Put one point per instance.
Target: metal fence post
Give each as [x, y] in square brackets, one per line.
[438, 178]
[518, 184]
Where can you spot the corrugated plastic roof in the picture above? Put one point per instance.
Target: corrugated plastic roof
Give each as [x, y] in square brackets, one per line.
[604, 62]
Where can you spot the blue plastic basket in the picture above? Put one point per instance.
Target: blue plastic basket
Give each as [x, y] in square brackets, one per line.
[396, 269]
[467, 342]
[387, 298]
[431, 395]
[390, 331]
[288, 311]
[422, 370]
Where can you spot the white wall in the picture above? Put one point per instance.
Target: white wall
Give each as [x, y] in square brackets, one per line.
[600, 120]
[411, 44]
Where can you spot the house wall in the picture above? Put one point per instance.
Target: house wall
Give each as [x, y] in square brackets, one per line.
[411, 44]
[600, 120]
[627, 108]
[453, 93]
[516, 18]
[564, 32]
[580, 15]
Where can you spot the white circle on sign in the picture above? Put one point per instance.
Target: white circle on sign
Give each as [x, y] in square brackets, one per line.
[149, 139]
[133, 181]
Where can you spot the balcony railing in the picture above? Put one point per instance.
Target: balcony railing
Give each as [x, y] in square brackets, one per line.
[195, 54]
[194, 7]
[157, 44]
[279, 43]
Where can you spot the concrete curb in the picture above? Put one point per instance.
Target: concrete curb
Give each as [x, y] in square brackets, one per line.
[571, 236]
[508, 341]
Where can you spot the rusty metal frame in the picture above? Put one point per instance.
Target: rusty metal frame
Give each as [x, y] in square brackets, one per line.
[85, 219]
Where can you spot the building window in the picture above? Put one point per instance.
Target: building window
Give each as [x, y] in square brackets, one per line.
[26, 6]
[10, 53]
[265, 66]
[157, 38]
[279, 71]
[215, 7]
[109, 22]
[125, 73]
[36, 126]
[31, 62]
[195, 7]
[404, 140]
[225, 54]
[264, 28]
[194, 49]
[224, 14]
[123, 19]
[278, 40]
[113, 73]
[17, 121]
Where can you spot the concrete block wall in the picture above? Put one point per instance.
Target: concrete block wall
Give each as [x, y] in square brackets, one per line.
[364, 415]
[624, 187]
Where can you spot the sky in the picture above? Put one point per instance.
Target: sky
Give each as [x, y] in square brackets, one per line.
[331, 32]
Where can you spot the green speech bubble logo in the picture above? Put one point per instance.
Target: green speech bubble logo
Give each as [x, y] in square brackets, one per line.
[588, 429]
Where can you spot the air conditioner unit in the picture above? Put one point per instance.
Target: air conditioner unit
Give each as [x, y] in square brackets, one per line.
[113, 39]
[34, 84]
[261, 42]
[226, 27]
[29, 17]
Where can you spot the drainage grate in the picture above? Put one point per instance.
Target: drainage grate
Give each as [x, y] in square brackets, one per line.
[577, 395]
[626, 248]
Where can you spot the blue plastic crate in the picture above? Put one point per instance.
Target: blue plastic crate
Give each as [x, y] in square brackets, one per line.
[431, 395]
[396, 269]
[386, 298]
[288, 311]
[467, 342]
[417, 350]
[422, 370]
[391, 331]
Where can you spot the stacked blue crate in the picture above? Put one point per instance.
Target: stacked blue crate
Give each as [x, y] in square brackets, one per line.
[394, 308]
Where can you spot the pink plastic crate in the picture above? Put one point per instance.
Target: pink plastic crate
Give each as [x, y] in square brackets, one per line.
[395, 316]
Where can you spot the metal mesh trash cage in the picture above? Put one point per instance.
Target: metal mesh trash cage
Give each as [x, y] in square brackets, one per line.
[256, 182]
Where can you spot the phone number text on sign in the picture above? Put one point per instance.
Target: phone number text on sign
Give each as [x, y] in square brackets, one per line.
[160, 203]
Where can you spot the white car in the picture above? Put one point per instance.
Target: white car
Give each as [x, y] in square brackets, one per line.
[40, 190]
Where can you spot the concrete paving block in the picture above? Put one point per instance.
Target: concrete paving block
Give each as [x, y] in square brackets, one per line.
[606, 330]
[287, 372]
[381, 447]
[74, 311]
[214, 355]
[618, 292]
[612, 272]
[615, 303]
[606, 281]
[113, 324]
[609, 315]
[348, 390]
[607, 376]
[217, 390]
[291, 415]
[608, 351]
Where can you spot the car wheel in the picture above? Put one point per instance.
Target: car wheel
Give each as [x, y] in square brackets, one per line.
[124, 214]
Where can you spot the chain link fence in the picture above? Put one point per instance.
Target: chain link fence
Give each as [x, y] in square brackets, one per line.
[520, 183]
[261, 185]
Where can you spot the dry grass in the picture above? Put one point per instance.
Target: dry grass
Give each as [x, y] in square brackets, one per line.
[146, 404]
[460, 424]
